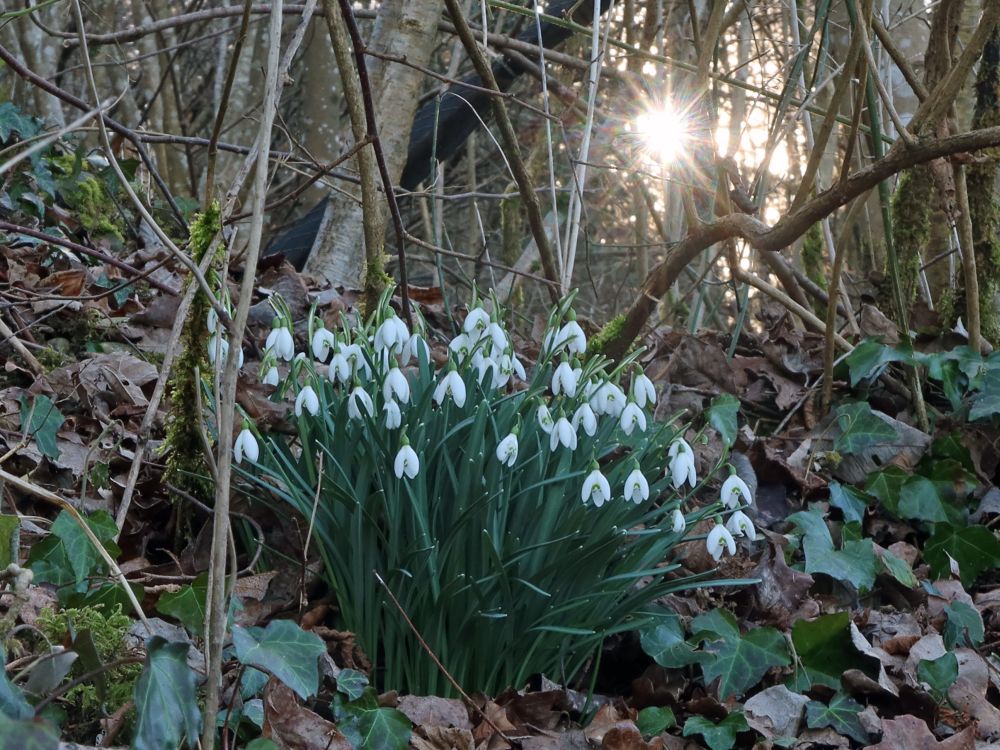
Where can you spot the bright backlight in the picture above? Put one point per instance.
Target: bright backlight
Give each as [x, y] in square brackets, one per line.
[664, 134]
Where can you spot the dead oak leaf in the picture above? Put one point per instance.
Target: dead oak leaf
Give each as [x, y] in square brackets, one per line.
[910, 733]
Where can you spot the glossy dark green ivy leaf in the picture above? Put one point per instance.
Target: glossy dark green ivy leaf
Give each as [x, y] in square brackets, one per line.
[26, 735]
[13, 120]
[869, 358]
[722, 415]
[974, 548]
[964, 626]
[655, 719]
[886, 485]
[665, 643]
[854, 562]
[841, 715]
[851, 502]
[41, 419]
[285, 650]
[351, 683]
[369, 726]
[861, 429]
[80, 550]
[824, 651]
[986, 402]
[919, 500]
[721, 736]
[187, 604]
[737, 661]
[166, 699]
[939, 674]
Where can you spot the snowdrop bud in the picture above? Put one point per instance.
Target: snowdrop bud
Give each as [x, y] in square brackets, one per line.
[393, 416]
[359, 400]
[632, 417]
[280, 342]
[732, 490]
[679, 523]
[392, 334]
[544, 418]
[596, 487]
[643, 391]
[451, 385]
[562, 432]
[406, 462]
[396, 385]
[308, 400]
[507, 450]
[584, 416]
[246, 446]
[636, 486]
[719, 540]
[739, 524]
[323, 342]
[271, 377]
[682, 467]
[564, 380]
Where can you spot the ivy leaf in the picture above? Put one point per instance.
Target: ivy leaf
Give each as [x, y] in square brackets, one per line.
[841, 715]
[919, 499]
[665, 643]
[721, 736]
[655, 719]
[854, 562]
[722, 415]
[283, 649]
[939, 674]
[42, 421]
[964, 626]
[887, 485]
[12, 120]
[861, 429]
[851, 502]
[986, 403]
[78, 547]
[974, 548]
[869, 358]
[26, 735]
[351, 683]
[166, 698]
[825, 651]
[740, 662]
[898, 569]
[368, 726]
[13, 704]
[187, 605]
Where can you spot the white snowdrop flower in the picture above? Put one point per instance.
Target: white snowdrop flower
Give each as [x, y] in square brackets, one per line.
[393, 416]
[392, 334]
[498, 338]
[682, 468]
[612, 400]
[356, 360]
[584, 416]
[339, 370]
[719, 540]
[212, 321]
[323, 342]
[503, 371]
[476, 323]
[222, 346]
[739, 524]
[571, 336]
[732, 490]
[451, 385]
[271, 377]
[507, 450]
[643, 391]
[544, 417]
[596, 488]
[679, 522]
[564, 380]
[406, 462]
[518, 367]
[412, 348]
[484, 367]
[462, 346]
[636, 487]
[358, 400]
[396, 386]
[632, 417]
[280, 343]
[959, 328]
[246, 447]
[592, 387]
[308, 400]
[562, 432]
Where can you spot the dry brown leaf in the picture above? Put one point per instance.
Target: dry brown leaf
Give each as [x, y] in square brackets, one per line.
[431, 711]
[910, 733]
[294, 727]
[441, 738]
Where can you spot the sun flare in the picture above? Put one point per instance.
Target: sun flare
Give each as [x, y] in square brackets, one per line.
[664, 134]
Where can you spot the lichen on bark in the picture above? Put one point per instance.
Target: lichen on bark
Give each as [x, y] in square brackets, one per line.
[911, 226]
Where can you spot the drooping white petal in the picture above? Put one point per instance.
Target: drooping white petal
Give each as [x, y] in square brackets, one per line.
[571, 336]
[308, 400]
[359, 400]
[733, 489]
[682, 464]
[396, 386]
[393, 416]
[584, 416]
[412, 348]
[507, 450]
[544, 418]
[632, 417]
[271, 377]
[719, 540]
[498, 338]
[596, 488]
[564, 380]
[612, 400]
[451, 385]
[280, 343]
[643, 391]
[562, 432]
[406, 463]
[739, 524]
[391, 335]
[323, 341]
[246, 446]
[679, 522]
[636, 487]
[476, 323]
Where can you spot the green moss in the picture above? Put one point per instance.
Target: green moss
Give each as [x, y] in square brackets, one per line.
[88, 198]
[611, 331]
[911, 213]
[812, 255]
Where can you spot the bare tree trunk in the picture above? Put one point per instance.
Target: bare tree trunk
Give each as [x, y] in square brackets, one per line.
[405, 28]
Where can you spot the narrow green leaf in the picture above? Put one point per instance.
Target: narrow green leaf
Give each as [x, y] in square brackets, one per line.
[10, 539]
[285, 650]
[166, 699]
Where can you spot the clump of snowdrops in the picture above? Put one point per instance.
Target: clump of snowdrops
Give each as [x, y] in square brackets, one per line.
[513, 515]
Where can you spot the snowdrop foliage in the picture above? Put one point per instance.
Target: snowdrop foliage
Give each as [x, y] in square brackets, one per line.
[445, 461]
